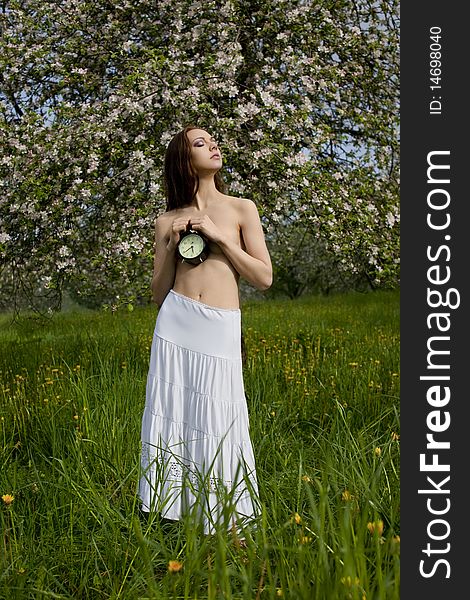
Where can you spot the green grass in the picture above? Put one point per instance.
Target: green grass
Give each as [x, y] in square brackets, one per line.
[322, 386]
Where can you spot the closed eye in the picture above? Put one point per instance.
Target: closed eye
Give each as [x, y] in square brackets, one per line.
[199, 142]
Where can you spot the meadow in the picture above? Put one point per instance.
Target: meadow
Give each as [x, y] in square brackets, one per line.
[322, 386]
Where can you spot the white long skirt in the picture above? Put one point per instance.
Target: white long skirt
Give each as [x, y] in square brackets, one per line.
[197, 454]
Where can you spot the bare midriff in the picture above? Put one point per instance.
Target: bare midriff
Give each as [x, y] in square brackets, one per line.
[213, 282]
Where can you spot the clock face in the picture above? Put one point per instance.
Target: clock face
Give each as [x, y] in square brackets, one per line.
[191, 245]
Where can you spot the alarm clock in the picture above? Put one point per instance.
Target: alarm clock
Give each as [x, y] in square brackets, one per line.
[193, 247]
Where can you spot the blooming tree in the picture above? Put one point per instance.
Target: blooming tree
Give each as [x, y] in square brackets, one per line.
[302, 95]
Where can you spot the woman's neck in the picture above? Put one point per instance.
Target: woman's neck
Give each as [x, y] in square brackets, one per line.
[207, 192]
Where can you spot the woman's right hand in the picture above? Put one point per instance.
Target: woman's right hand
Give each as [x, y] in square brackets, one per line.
[179, 225]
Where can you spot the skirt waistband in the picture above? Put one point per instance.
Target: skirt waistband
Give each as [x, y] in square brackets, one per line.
[209, 306]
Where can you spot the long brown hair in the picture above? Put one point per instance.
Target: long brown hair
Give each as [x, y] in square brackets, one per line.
[180, 180]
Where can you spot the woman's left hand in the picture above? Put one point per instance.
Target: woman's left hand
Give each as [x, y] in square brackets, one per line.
[207, 227]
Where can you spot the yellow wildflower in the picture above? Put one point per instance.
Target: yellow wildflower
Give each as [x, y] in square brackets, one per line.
[174, 566]
[376, 527]
[350, 581]
[8, 499]
[378, 451]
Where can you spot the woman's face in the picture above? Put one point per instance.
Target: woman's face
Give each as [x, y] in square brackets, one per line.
[205, 154]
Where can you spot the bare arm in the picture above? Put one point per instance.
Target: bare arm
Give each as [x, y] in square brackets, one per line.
[254, 263]
[164, 268]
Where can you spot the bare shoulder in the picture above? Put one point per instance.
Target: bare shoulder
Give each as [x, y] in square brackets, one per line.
[168, 215]
[244, 206]
[163, 223]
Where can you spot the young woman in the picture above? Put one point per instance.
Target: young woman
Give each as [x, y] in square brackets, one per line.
[196, 449]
